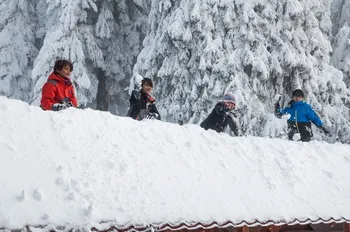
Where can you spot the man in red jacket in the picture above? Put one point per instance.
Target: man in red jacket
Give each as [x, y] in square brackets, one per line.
[58, 91]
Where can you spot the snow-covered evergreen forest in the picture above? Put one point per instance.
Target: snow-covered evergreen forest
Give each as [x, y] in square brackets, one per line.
[194, 50]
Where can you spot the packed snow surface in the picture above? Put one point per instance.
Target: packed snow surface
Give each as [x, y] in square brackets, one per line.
[81, 167]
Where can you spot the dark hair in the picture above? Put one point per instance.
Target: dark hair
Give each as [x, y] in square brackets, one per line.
[147, 81]
[298, 93]
[59, 64]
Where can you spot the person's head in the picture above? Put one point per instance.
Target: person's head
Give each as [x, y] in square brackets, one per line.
[229, 100]
[298, 95]
[147, 85]
[63, 68]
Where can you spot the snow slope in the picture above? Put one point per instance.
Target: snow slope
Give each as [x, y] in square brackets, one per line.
[81, 167]
[194, 51]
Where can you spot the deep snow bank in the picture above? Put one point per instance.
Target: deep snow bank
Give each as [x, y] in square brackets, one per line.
[81, 167]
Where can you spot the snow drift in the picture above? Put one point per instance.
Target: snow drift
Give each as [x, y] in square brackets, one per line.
[82, 167]
[194, 50]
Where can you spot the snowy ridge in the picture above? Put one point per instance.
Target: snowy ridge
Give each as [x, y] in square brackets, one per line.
[195, 51]
[82, 167]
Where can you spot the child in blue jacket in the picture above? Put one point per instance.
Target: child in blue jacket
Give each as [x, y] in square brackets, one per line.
[301, 116]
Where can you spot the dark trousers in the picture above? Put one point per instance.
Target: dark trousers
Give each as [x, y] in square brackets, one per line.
[304, 128]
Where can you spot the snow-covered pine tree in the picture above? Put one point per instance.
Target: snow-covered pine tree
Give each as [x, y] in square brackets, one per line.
[341, 44]
[69, 36]
[17, 47]
[120, 29]
[198, 50]
[101, 38]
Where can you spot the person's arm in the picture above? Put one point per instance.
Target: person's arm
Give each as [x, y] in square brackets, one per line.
[279, 112]
[204, 125]
[49, 92]
[72, 98]
[313, 117]
[134, 108]
[278, 108]
[153, 109]
[220, 109]
[286, 110]
[233, 125]
[135, 97]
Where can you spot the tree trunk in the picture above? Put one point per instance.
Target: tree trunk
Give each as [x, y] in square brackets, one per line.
[102, 94]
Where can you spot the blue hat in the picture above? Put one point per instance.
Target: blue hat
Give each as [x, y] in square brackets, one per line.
[229, 97]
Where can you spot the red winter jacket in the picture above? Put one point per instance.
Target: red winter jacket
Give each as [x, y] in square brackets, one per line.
[56, 90]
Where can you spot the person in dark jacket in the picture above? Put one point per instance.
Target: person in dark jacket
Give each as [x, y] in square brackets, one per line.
[220, 117]
[58, 91]
[142, 104]
[301, 116]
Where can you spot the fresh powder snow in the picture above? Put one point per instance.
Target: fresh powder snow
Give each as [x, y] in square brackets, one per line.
[83, 167]
[193, 50]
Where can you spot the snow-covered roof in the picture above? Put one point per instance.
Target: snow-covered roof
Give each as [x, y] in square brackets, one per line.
[85, 167]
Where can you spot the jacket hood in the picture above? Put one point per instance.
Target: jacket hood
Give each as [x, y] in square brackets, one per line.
[56, 77]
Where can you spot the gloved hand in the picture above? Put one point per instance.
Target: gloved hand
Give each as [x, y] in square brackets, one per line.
[325, 131]
[278, 100]
[226, 110]
[233, 114]
[151, 115]
[58, 106]
[277, 108]
[69, 104]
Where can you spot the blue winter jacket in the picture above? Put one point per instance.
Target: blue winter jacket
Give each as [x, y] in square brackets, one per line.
[301, 112]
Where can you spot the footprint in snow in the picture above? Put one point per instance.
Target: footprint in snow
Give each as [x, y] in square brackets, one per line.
[45, 217]
[329, 174]
[37, 195]
[59, 181]
[22, 197]
[110, 164]
[347, 158]
[88, 210]
[188, 144]
[71, 196]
